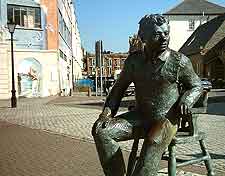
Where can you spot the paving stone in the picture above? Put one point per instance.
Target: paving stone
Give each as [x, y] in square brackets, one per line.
[76, 122]
[164, 172]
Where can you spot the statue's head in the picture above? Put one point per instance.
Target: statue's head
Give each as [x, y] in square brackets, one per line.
[154, 32]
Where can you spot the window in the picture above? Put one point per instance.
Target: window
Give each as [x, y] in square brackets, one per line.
[30, 18]
[93, 62]
[62, 55]
[92, 70]
[65, 57]
[191, 25]
[60, 24]
[117, 62]
[122, 62]
[109, 62]
[37, 19]
[110, 71]
[27, 17]
[64, 30]
[24, 20]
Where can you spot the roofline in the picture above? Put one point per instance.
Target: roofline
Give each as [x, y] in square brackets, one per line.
[193, 14]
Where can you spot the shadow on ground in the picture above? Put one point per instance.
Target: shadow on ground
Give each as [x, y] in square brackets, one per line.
[216, 105]
[99, 105]
[4, 107]
[213, 155]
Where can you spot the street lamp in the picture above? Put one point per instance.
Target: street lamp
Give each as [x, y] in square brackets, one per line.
[11, 27]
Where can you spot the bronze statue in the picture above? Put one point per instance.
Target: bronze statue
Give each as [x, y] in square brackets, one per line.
[157, 73]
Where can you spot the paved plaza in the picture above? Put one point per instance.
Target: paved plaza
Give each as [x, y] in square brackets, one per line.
[60, 127]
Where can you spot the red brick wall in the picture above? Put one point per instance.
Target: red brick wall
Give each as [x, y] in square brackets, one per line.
[52, 23]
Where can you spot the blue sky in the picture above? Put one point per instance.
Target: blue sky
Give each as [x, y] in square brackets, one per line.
[113, 21]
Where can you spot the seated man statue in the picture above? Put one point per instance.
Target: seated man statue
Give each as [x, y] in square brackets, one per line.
[157, 73]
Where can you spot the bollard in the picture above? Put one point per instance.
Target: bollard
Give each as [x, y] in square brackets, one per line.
[89, 91]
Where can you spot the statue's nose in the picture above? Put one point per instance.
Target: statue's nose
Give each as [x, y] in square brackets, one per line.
[163, 36]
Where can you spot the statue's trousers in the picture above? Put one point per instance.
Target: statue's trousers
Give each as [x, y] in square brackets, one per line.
[107, 132]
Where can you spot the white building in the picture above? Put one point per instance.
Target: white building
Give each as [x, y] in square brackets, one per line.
[46, 47]
[187, 16]
[77, 49]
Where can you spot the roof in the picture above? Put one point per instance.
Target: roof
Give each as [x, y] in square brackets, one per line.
[205, 36]
[196, 7]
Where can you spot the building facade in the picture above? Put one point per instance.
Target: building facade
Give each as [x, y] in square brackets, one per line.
[187, 16]
[206, 49]
[112, 62]
[47, 47]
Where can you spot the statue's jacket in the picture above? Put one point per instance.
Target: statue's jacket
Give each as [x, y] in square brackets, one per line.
[157, 84]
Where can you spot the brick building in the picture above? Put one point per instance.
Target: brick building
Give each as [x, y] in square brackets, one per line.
[111, 62]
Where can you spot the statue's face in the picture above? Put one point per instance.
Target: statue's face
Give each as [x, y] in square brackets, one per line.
[156, 37]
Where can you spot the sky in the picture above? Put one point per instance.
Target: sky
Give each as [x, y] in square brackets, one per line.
[113, 21]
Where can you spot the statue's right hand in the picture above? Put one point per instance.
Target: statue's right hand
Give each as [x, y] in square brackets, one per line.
[105, 113]
[104, 118]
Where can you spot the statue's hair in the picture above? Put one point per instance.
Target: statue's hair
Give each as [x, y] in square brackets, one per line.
[151, 20]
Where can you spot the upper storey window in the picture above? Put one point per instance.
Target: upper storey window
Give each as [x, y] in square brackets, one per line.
[27, 17]
[191, 25]
[64, 30]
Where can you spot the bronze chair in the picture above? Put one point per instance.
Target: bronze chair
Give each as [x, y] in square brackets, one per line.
[188, 132]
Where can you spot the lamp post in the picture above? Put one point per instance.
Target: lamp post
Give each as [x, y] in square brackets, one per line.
[11, 27]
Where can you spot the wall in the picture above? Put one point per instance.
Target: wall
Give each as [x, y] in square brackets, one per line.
[197, 63]
[24, 38]
[49, 86]
[179, 28]
[49, 83]
[51, 25]
[77, 50]
[42, 45]
[4, 74]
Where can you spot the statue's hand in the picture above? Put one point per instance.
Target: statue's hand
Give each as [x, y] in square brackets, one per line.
[104, 117]
[105, 113]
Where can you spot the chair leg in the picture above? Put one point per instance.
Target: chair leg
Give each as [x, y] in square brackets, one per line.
[132, 158]
[208, 162]
[172, 160]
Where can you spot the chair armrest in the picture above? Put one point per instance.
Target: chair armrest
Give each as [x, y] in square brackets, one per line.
[199, 110]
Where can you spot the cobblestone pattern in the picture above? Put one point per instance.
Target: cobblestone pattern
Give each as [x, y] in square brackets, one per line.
[77, 123]
[164, 172]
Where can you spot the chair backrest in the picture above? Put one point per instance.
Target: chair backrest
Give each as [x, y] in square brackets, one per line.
[188, 123]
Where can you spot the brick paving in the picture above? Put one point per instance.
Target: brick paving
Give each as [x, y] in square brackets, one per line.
[62, 116]
[26, 152]
[32, 152]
